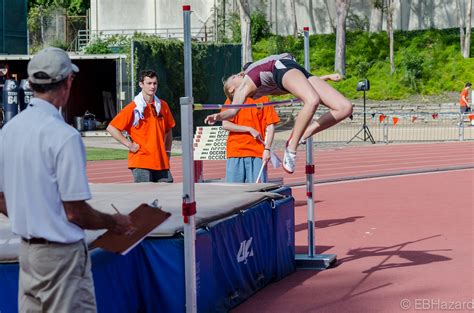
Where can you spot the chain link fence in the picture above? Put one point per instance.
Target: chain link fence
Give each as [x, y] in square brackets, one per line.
[393, 127]
[52, 26]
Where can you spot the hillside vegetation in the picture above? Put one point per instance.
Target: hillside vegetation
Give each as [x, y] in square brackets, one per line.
[427, 62]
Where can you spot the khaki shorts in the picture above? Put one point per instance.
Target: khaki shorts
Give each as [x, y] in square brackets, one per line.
[55, 278]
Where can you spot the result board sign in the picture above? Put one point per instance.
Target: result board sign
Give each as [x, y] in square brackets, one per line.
[210, 143]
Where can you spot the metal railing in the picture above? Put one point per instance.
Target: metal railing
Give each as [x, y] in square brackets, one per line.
[204, 34]
[82, 39]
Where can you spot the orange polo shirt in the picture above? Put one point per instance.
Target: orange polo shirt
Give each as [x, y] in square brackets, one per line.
[149, 134]
[465, 93]
[243, 145]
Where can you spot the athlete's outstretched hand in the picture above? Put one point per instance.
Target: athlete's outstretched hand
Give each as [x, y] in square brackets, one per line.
[335, 77]
[211, 119]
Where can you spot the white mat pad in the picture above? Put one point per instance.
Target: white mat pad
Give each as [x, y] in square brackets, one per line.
[213, 201]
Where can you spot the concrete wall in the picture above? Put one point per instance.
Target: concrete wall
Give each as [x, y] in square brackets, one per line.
[316, 14]
[146, 15]
[319, 14]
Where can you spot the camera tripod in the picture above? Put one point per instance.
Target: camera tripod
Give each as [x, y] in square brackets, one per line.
[365, 129]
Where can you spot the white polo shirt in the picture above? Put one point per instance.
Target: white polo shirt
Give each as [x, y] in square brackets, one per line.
[42, 163]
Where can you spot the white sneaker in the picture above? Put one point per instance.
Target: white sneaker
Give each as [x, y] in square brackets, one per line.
[289, 161]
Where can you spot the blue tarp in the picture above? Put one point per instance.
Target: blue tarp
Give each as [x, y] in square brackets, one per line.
[243, 250]
[284, 226]
[9, 287]
[234, 258]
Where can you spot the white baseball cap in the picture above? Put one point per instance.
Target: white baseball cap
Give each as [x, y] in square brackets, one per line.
[53, 62]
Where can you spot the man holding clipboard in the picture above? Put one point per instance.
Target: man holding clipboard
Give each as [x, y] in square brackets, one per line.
[43, 190]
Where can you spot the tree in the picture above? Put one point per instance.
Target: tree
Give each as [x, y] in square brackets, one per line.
[73, 7]
[465, 24]
[376, 16]
[245, 28]
[467, 42]
[342, 9]
[391, 7]
[293, 18]
[461, 25]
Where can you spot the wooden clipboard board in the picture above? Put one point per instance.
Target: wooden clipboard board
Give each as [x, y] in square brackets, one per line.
[144, 218]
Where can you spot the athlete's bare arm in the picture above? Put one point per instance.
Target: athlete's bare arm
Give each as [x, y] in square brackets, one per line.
[247, 88]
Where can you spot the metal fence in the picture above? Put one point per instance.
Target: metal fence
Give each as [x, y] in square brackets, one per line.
[204, 34]
[48, 26]
[400, 127]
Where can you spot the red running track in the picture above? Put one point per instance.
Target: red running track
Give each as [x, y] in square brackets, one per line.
[404, 244]
[401, 241]
[330, 164]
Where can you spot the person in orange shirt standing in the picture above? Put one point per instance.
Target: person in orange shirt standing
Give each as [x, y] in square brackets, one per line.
[149, 122]
[464, 101]
[251, 134]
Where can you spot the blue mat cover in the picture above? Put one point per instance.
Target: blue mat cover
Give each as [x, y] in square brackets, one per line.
[234, 258]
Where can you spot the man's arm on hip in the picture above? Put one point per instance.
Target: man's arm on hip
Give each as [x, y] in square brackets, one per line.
[3, 204]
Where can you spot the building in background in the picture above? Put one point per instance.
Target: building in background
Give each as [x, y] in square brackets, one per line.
[159, 17]
[165, 19]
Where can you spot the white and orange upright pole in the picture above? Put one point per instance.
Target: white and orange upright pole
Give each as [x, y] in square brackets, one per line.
[312, 260]
[189, 203]
[309, 168]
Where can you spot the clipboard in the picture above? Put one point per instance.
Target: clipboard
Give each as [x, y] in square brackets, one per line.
[144, 218]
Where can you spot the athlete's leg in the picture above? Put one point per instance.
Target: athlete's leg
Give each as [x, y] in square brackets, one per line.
[295, 82]
[339, 107]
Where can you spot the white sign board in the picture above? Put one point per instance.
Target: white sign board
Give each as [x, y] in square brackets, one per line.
[210, 143]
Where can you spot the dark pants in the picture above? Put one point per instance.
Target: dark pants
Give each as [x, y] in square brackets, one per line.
[143, 175]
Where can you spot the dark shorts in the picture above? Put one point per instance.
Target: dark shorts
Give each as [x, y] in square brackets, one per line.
[143, 175]
[465, 109]
[284, 65]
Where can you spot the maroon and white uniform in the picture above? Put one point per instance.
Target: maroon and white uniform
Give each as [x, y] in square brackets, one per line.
[267, 74]
[261, 73]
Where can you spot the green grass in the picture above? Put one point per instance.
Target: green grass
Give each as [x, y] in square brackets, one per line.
[101, 154]
[98, 154]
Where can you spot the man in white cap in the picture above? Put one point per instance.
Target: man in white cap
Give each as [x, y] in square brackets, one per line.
[43, 190]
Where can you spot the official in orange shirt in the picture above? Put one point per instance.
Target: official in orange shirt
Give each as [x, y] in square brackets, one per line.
[464, 100]
[149, 122]
[246, 151]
